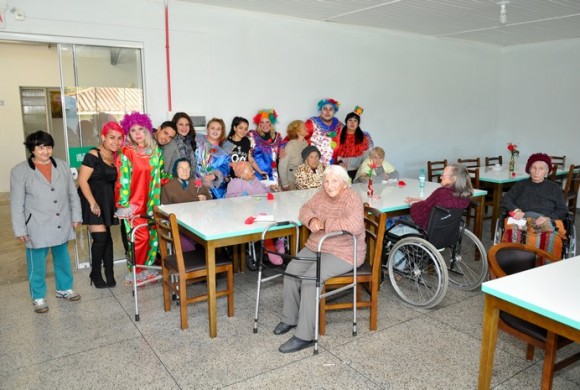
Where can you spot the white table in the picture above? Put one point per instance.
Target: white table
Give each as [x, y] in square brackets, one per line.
[546, 296]
[218, 223]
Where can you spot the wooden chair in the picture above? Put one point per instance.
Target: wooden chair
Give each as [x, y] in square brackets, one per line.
[470, 162]
[491, 161]
[571, 188]
[509, 258]
[435, 166]
[559, 161]
[368, 274]
[188, 267]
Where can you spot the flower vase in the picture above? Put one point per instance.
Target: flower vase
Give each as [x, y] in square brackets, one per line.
[370, 190]
[512, 166]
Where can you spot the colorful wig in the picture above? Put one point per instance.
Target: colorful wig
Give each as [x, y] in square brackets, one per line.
[136, 118]
[266, 113]
[111, 126]
[324, 102]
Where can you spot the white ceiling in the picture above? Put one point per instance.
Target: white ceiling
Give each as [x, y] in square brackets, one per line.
[528, 21]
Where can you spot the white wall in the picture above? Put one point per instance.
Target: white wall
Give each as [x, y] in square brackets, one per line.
[540, 99]
[424, 98]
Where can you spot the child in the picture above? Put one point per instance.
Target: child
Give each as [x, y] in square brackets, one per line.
[246, 184]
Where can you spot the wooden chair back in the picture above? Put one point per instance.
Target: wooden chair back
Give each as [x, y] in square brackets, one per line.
[435, 166]
[559, 161]
[474, 175]
[368, 274]
[571, 188]
[470, 162]
[491, 161]
[509, 258]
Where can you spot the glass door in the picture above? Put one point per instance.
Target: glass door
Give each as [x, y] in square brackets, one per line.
[98, 84]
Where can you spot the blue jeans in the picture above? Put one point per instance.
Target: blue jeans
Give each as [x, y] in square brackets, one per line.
[36, 269]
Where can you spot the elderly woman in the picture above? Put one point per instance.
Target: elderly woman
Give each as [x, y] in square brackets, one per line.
[184, 189]
[376, 167]
[336, 207]
[310, 173]
[354, 144]
[97, 178]
[292, 157]
[537, 197]
[45, 211]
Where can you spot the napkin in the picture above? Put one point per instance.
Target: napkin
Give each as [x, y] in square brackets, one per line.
[519, 222]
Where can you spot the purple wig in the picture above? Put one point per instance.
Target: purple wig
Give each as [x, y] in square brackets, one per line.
[136, 118]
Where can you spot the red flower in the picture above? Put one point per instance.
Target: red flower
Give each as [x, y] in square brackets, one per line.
[198, 183]
[213, 150]
[274, 164]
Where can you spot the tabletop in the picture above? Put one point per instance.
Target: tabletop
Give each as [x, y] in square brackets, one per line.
[502, 175]
[551, 290]
[223, 218]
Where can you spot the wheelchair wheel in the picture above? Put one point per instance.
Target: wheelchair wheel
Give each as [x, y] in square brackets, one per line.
[466, 262]
[570, 248]
[417, 272]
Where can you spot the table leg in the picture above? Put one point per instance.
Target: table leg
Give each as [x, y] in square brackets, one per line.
[549, 360]
[497, 193]
[479, 215]
[488, 341]
[211, 288]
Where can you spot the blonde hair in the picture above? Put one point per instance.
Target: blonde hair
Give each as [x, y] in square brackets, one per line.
[377, 151]
[150, 142]
[293, 128]
[222, 124]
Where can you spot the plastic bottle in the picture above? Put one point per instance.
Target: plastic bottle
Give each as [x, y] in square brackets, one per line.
[422, 178]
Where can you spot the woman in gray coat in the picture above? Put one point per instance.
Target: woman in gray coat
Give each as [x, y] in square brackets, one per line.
[45, 211]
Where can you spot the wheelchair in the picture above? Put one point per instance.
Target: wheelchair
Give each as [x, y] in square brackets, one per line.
[568, 244]
[275, 271]
[422, 264]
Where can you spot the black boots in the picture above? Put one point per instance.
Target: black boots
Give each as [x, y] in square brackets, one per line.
[108, 261]
[97, 252]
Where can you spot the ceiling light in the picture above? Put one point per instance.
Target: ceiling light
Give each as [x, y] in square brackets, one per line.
[503, 11]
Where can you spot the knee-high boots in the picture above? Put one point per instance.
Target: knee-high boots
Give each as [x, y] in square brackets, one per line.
[97, 254]
[108, 261]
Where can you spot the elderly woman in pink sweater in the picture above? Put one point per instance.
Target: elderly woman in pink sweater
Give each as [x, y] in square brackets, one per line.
[335, 207]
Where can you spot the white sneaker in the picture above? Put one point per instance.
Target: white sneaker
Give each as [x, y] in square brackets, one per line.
[69, 295]
[40, 305]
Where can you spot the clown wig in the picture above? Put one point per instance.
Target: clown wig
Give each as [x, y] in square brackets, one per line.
[136, 118]
[332, 102]
[265, 113]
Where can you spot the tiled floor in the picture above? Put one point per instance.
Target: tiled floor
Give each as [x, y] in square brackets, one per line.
[95, 343]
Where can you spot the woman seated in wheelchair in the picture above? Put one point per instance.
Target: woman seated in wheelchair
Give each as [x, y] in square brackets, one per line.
[334, 208]
[536, 202]
[454, 193]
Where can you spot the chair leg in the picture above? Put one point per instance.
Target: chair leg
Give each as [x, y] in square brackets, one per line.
[530, 352]
[166, 280]
[374, 305]
[230, 276]
[322, 317]
[183, 302]
[549, 360]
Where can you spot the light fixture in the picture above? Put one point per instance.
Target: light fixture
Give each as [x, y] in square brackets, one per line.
[502, 10]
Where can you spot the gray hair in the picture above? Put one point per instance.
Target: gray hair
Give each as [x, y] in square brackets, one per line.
[339, 172]
[462, 186]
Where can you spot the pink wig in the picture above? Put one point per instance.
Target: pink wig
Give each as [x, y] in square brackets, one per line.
[111, 126]
[332, 102]
[266, 113]
[136, 118]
